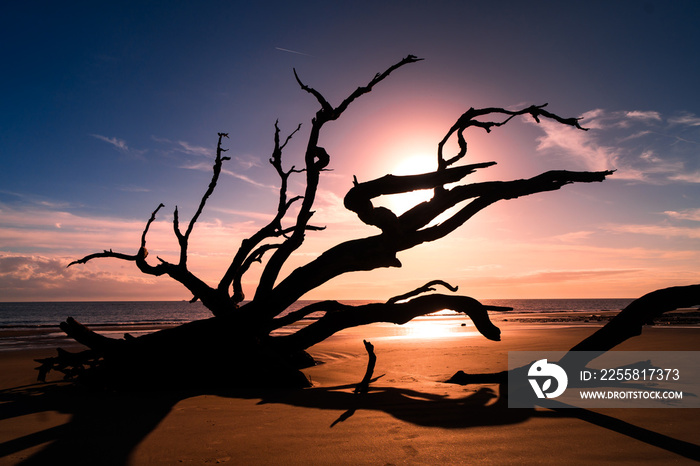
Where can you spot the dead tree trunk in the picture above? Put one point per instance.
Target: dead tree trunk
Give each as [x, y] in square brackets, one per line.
[628, 323]
[237, 341]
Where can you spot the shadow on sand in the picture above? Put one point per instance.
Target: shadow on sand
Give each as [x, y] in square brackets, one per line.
[105, 428]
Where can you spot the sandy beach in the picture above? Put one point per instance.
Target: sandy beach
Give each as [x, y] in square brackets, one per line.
[409, 416]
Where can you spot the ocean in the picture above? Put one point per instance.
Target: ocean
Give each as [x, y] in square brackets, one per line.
[118, 313]
[20, 321]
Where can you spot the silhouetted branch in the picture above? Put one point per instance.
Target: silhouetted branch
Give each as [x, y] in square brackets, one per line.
[148, 225]
[380, 250]
[247, 252]
[346, 316]
[363, 386]
[328, 113]
[289, 230]
[325, 106]
[629, 322]
[87, 337]
[358, 199]
[316, 159]
[295, 316]
[143, 252]
[105, 253]
[178, 272]
[423, 289]
[485, 194]
[70, 364]
[254, 256]
[183, 239]
[468, 119]
[377, 79]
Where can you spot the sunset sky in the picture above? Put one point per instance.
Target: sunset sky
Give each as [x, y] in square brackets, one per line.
[109, 109]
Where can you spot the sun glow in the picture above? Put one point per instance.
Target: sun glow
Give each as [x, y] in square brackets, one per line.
[436, 328]
[412, 165]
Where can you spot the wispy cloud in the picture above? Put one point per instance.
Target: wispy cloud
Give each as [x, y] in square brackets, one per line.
[264, 217]
[329, 209]
[121, 145]
[248, 161]
[666, 231]
[186, 147]
[639, 115]
[687, 177]
[33, 200]
[194, 150]
[687, 214]
[133, 189]
[118, 144]
[574, 236]
[590, 153]
[292, 51]
[641, 145]
[204, 166]
[547, 278]
[685, 119]
[558, 276]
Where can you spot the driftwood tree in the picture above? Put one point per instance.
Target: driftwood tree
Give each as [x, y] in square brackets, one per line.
[237, 343]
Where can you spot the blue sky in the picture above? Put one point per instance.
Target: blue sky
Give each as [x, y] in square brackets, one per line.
[110, 109]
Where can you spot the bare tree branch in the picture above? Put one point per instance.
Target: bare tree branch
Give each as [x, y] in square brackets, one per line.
[247, 252]
[630, 321]
[380, 250]
[295, 316]
[423, 289]
[377, 79]
[325, 106]
[491, 192]
[328, 113]
[345, 316]
[316, 159]
[363, 386]
[358, 199]
[468, 119]
[105, 253]
[183, 239]
[200, 290]
[142, 251]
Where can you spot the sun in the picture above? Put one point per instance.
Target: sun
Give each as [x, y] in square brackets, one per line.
[412, 165]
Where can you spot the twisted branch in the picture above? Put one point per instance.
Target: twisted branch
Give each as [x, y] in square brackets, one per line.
[359, 198]
[468, 119]
[423, 289]
[316, 159]
[342, 316]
